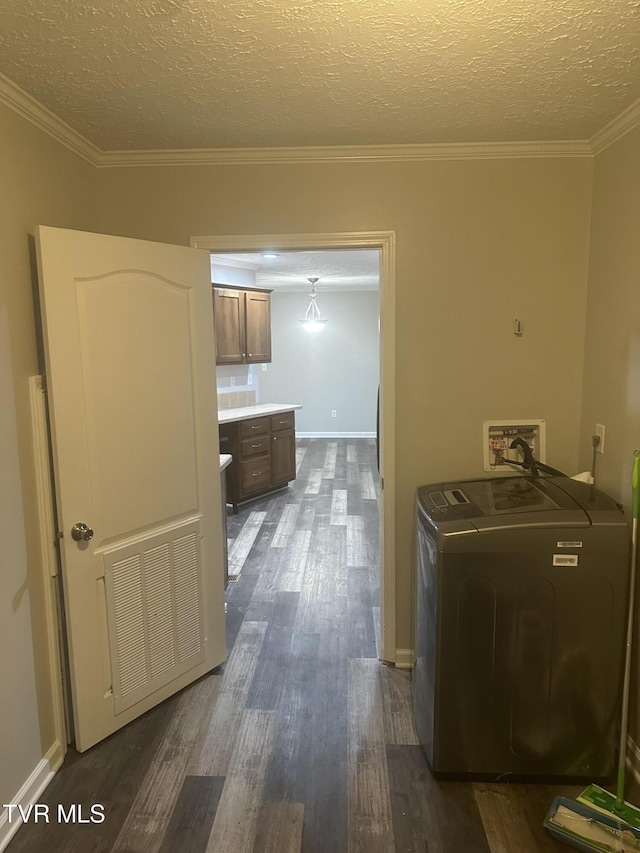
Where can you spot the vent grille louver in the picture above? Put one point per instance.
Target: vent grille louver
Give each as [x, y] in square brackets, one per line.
[154, 602]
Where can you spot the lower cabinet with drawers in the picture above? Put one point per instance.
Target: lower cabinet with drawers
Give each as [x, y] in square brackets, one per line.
[264, 455]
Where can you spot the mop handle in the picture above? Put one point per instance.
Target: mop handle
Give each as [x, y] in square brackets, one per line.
[635, 483]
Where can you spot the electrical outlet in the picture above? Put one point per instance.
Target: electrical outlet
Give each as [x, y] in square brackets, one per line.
[232, 381]
[600, 433]
[250, 379]
[334, 414]
[264, 366]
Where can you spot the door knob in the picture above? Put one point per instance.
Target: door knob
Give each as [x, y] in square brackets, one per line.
[81, 532]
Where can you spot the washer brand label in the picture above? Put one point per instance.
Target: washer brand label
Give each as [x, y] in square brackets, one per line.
[569, 544]
[565, 559]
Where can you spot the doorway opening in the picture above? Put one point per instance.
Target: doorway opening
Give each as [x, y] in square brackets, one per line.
[367, 273]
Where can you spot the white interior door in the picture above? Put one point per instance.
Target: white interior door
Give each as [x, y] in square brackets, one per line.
[132, 398]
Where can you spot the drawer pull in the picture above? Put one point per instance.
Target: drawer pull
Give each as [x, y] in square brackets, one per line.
[257, 474]
[282, 422]
[256, 445]
[256, 426]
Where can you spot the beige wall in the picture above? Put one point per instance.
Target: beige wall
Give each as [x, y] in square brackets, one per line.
[337, 368]
[41, 183]
[612, 342]
[479, 243]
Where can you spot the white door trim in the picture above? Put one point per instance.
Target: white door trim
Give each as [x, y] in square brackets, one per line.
[49, 562]
[385, 241]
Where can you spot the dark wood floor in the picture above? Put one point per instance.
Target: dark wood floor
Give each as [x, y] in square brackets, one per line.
[303, 742]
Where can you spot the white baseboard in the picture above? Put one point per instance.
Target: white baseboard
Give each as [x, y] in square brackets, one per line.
[404, 658]
[28, 794]
[335, 434]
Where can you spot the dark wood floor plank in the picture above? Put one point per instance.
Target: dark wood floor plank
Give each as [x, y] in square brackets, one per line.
[370, 824]
[513, 815]
[361, 631]
[151, 810]
[292, 569]
[325, 577]
[397, 711]
[279, 828]
[431, 816]
[237, 602]
[262, 602]
[211, 755]
[340, 474]
[288, 767]
[361, 550]
[192, 818]
[325, 823]
[271, 668]
[236, 821]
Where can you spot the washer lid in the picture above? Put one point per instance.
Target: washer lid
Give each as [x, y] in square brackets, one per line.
[507, 502]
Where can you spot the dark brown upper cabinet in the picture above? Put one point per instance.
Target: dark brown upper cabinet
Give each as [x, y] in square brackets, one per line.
[242, 320]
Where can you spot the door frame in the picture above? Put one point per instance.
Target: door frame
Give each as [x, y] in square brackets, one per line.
[385, 241]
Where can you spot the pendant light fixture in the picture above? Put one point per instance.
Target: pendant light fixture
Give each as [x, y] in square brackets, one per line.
[312, 321]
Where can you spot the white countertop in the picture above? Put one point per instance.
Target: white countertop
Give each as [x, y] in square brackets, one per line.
[245, 413]
[225, 461]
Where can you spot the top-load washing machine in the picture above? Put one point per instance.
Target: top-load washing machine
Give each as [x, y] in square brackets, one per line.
[520, 624]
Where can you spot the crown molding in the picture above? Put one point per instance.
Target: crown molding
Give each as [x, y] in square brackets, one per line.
[12, 96]
[347, 154]
[241, 265]
[622, 124]
[33, 111]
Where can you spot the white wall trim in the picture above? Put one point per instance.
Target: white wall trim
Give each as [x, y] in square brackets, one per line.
[25, 105]
[28, 794]
[48, 556]
[385, 241]
[347, 153]
[241, 265]
[33, 111]
[404, 658]
[622, 124]
[335, 434]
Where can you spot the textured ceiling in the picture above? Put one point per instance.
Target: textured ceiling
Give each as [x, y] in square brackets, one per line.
[167, 74]
[337, 269]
